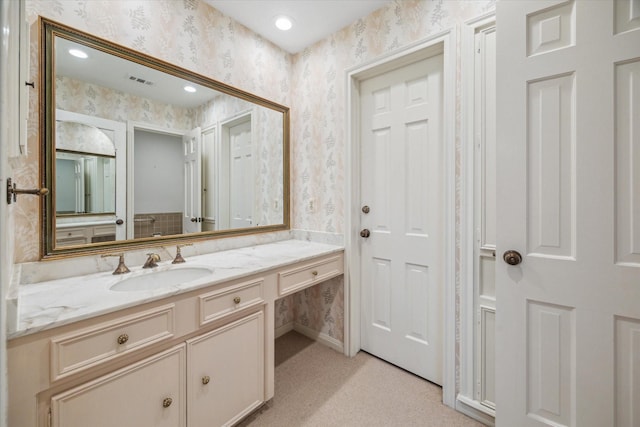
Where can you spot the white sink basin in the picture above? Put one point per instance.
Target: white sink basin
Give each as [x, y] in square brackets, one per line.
[160, 279]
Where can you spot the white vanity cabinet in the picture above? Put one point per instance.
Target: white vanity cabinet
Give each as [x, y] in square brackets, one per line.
[147, 393]
[215, 379]
[84, 234]
[202, 357]
[226, 373]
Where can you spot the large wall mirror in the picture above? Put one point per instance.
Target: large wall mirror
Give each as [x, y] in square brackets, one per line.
[137, 151]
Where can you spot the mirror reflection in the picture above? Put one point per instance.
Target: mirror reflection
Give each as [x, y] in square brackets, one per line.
[85, 170]
[149, 151]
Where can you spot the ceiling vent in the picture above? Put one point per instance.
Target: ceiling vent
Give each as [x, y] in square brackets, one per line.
[141, 80]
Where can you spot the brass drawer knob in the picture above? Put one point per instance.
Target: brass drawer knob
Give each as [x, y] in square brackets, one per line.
[167, 402]
[237, 300]
[206, 379]
[123, 339]
[314, 273]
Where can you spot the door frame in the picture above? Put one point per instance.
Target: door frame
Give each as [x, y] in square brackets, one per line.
[222, 162]
[132, 126]
[465, 400]
[120, 144]
[441, 43]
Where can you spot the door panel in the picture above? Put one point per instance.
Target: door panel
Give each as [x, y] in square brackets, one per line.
[130, 397]
[192, 212]
[568, 314]
[627, 162]
[242, 172]
[402, 182]
[550, 167]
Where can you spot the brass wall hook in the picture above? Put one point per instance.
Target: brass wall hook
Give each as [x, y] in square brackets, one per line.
[13, 191]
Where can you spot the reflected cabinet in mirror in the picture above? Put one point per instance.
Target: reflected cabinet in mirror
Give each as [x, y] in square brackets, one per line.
[138, 151]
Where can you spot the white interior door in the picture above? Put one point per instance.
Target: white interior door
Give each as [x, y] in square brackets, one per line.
[241, 175]
[117, 133]
[402, 183]
[191, 213]
[568, 318]
[210, 192]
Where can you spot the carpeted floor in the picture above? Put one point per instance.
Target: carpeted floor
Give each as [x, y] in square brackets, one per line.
[317, 386]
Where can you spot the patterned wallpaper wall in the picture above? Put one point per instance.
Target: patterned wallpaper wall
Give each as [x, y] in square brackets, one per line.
[312, 83]
[201, 39]
[319, 124]
[319, 97]
[267, 132]
[98, 101]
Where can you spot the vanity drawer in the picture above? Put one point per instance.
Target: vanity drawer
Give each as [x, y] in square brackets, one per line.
[88, 347]
[219, 303]
[308, 274]
[104, 230]
[72, 236]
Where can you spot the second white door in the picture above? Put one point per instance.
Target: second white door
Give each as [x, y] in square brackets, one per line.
[241, 174]
[402, 184]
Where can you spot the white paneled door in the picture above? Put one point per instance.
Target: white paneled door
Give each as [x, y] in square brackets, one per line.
[568, 318]
[402, 184]
[241, 173]
[191, 214]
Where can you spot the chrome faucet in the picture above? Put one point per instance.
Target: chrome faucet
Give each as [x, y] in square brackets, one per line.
[152, 261]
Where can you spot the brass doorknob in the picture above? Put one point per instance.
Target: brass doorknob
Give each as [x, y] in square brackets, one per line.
[365, 233]
[206, 379]
[512, 257]
[167, 402]
[123, 339]
[194, 219]
[237, 300]
[366, 209]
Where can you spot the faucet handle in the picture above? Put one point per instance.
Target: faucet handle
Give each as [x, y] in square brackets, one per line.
[152, 260]
[121, 268]
[179, 259]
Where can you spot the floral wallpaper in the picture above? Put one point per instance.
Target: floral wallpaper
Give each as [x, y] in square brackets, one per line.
[320, 308]
[201, 39]
[86, 139]
[267, 132]
[319, 97]
[319, 100]
[98, 101]
[312, 83]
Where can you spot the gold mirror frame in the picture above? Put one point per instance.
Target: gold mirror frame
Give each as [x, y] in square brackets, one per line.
[48, 31]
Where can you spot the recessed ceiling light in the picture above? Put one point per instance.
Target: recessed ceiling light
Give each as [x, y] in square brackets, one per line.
[78, 53]
[190, 89]
[284, 23]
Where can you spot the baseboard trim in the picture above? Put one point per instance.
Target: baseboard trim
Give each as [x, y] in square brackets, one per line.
[320, 337]
[281, 330]
[475, 410]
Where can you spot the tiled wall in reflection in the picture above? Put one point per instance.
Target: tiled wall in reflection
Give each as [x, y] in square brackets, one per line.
[158, 224]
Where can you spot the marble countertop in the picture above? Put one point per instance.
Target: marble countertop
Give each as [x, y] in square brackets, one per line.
[54, 303]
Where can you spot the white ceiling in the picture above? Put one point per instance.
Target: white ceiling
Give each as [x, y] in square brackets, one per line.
[313, 20]
[114, 72]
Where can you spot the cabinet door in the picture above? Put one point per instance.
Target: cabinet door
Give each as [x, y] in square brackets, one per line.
[225, 368]
[135, 396]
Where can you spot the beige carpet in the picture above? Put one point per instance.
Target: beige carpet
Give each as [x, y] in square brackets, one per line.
[317, 386]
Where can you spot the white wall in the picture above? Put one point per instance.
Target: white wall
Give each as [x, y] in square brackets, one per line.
[158, 175]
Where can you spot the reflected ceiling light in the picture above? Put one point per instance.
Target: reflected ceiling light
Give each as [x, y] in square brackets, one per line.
[189, 89]
[78, 53]
[284, 23]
